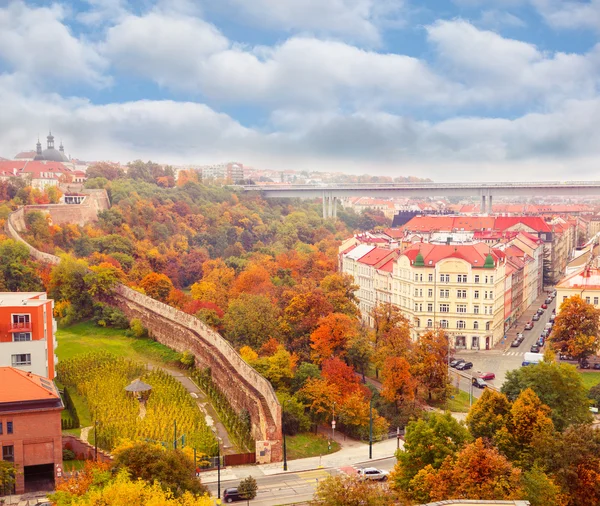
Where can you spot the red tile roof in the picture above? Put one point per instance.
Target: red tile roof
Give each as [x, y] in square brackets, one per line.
[375, 256]
[388, 266]
[19, 386]
[474, 254]
[474, 223]
[25, 154]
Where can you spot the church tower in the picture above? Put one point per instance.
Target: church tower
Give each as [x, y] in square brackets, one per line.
[38, 148]
[50, 139]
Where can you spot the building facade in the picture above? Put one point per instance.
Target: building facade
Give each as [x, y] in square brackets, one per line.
[585, 283]
[30, 428]
[27, 332]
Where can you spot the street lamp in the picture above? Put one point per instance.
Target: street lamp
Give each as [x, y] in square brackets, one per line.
[333, 424]
[283, 430]
[371, 428]
[218, 463]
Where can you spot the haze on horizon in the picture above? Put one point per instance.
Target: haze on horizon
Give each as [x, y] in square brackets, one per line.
[454, 90]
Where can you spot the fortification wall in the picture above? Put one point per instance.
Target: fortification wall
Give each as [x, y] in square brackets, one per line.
[80, 214]
[244, 387]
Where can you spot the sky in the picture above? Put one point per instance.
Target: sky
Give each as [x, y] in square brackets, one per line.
[454, 90]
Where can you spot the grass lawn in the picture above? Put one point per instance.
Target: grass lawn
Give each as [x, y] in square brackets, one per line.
[458, 404]
[590, 378]
[88, 337]
[308, 444]
[73, 465]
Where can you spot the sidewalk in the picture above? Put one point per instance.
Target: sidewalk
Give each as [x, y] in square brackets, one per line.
[356, 453]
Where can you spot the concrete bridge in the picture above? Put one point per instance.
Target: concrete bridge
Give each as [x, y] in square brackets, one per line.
[485, 191]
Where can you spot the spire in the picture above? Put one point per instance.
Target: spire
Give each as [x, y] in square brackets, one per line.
[419, 260]
[61, 148]
[489, 262]
[38, 147]
[50, 140]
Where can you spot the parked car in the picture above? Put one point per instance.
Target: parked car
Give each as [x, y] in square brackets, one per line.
[540, 311]
[520, 336]
[535, 317]
[478, 382]
[456, 362]
[464, 366]
[540, 342]
[545, 333]
[544, 306]
[535, 349]
[548, 301]
[584, 364]
[487, 376]
[372, 473]
[516, 343]
[597, 365]
[552, 318]
[232, 494]
[564, 356]
[529, 325]
[554, 311]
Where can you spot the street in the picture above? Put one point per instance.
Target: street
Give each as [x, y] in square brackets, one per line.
[500, 362]
[294, 487]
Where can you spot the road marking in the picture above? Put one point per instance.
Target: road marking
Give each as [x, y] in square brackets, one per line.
[311, 476]
[350, 470]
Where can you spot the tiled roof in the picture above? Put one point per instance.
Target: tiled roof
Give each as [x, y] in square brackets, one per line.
[474, 254]
[25, 154]
[375, 256]
[20, 386]
[586, 278]
[388, 266]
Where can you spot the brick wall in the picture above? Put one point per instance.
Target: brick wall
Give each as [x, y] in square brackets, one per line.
[83, 450]
[244, 387]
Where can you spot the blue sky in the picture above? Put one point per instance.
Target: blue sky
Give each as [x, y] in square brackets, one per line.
[448, 89]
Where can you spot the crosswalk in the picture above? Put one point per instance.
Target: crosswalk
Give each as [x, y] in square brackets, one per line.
[514, 353]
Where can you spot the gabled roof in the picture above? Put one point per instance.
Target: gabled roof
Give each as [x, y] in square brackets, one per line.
[359, 251]
[474, 254]
[586, 278]
[375, 256]
[21, 386]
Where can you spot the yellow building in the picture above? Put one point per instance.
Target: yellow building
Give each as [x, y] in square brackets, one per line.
[585, 283]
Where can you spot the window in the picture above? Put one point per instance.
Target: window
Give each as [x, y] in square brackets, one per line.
[587, 299]
[476, 294]
[444, 294]
[595, 301]
[8, 453]
[431, 278]
[485, 294]
[444, 324]
[417, 322]
[461, 308]
[461, 294]
[444, 308]
[430, 292]
[430, 308]
[461, 324]
[564, 298]
[418, 307]
[475, 325]
[0, 428]
[477, 278]
[491, 295]
[492, 280]
[488, 325]
[486, 280]
[21, 336]
[445, 278]
[9, 427]
[429, 322]
[21, 359]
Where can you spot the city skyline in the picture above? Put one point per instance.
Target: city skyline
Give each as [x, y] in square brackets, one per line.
[455, 90]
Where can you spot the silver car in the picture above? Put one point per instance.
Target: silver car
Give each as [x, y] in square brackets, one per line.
[372, 473]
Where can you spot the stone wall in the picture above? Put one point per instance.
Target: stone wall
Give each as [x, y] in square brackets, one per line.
[83, 450]
[80, 214]
[244, 387]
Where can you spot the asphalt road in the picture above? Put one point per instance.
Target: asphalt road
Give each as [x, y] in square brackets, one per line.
[289, 488]
[500, 362]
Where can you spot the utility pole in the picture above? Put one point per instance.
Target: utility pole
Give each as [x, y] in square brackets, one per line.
[285, 466]
[371, 428]
[333, 424]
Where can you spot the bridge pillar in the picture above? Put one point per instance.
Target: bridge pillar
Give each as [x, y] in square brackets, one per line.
[330, 206]
[324, 206]
[335, 199]
[490, 210]
[482, 208]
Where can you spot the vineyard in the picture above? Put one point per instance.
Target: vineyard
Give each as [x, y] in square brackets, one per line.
[101, 378]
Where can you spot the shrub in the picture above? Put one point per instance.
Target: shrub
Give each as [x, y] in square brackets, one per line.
[137, 329]
[68, 454]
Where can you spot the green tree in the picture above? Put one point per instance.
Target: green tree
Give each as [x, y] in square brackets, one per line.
[251, 320]
[352, 491]
[303, 372]
[293, 414]
[558, 386]
[68, 283]
[17, 271]
[8, 473]
[488, 415]
[428, 442]
[576, 328]
[248, 488]
[360, 351]
[150, 462]
[540, 489]
[594, 394]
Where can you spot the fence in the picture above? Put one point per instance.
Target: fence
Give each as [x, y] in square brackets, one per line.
[240, 459]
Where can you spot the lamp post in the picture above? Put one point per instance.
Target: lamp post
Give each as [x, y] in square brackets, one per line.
[333, 424]
[218, 464]
[371, 428]
[95, 441]
[283, 430]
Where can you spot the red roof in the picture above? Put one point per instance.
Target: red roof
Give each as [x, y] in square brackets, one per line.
[25, 154]
[18, 386]
[474, 223]
[474, 254]
[394, 233]
[388, 266]
[375, 256]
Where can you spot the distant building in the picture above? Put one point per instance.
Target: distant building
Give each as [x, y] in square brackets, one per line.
[585, 283]
[27, 328]
[230, 171]
[30, 428]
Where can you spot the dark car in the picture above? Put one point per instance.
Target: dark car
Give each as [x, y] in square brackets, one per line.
[529, 325]
[516, 343]
[464, 366]
[232, 494]
[540, 311]
[584, 364]
[478, 382]
[535, 317]
[540, 342]
[548, 301]
[535, 349]
[456, 362]
[597, 365]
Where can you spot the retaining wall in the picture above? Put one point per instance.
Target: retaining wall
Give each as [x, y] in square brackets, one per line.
[80, 214]
[244, 387]
[83, 450]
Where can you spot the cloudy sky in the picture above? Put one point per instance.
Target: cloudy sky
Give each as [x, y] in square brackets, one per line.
[448, 89]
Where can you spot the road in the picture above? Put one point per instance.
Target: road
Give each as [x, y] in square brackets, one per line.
[289, 488]
[500, 362]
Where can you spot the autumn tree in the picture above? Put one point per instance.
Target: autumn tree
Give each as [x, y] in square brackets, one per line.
[387, 316]
[360, 351]
[157, 286]
[527, 430]
[255, 279]
[541, 490]
[576, 328]
[251, 320]
[340, 290]
[399, 385]
[17, 272]
[430, 362]
[8, 473]
[476, 472]
[488, 415]
[331, 336]
[558, 386]
[277, 368]
[319, 396]
[216, 281]
[428, 442]
[352, 491]
[338, 373]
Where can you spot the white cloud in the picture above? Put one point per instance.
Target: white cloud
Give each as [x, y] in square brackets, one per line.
[570, 14]
[36, 42]
[497, 19]
[356, 20]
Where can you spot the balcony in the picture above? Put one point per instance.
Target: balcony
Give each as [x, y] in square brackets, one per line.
[20, 327]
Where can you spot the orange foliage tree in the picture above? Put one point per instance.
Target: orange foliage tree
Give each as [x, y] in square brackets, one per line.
[332, 335]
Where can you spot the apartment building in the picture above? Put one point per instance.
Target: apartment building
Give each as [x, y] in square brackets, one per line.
[456, 287]
[27, 332]
[585, 283]
[30, 431]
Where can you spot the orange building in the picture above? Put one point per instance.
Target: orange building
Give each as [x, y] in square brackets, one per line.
[30, 431]
[27, 330]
